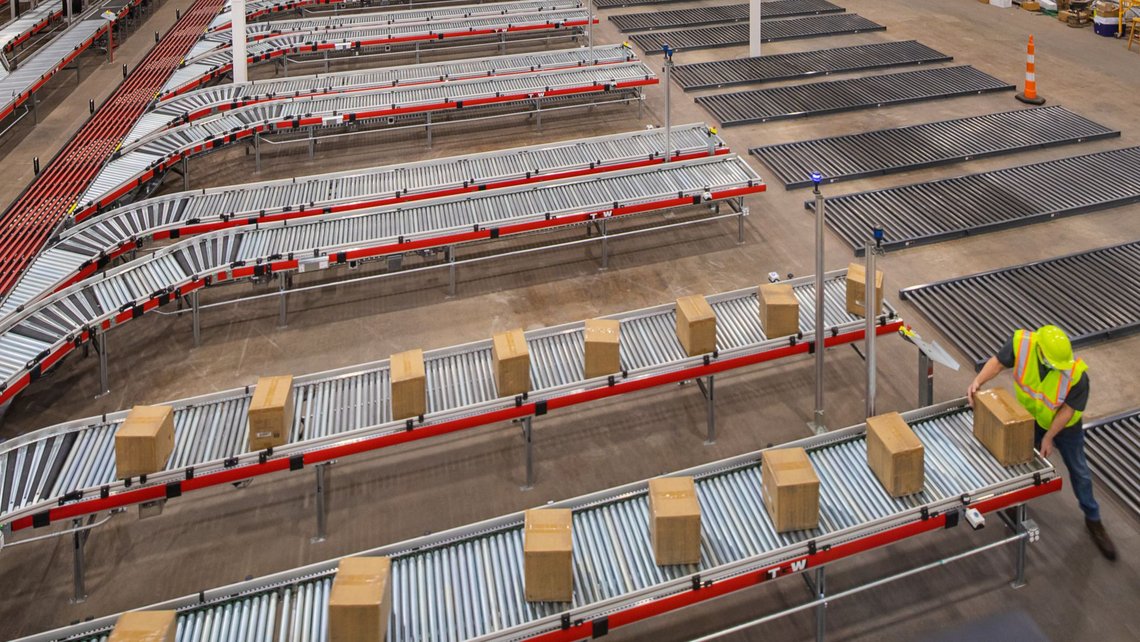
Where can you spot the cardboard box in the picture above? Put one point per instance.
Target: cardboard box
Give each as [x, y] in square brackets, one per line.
[779, 310]
[696, 325]
[1004, 426]
[857, 288]
[790, 488]
[144, 441]
[548, 571]
[512, 363]
[895, 454]
[409, 384]
[1030, 6]
[674, 520]
[271, 412]
[145, 626]
[360, 601]
[603, 347]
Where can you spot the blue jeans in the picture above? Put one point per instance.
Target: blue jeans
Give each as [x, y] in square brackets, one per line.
[1070, 442]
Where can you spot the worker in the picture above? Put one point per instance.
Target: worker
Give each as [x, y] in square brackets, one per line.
[1054, 388]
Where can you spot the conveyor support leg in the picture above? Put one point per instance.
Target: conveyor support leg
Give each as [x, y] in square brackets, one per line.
[925, 380]
[185, 173]
[312, 142]
[605, 246]
[257, 150]
[1018, 525]
[528, 437]
[708, 391]
[821, 610]
[286, 282]
[100, 340]
[742, 211]
[79, 541]
[870, 315]
[196, 318]
[449, 253]
[321, 504]
[428, 127]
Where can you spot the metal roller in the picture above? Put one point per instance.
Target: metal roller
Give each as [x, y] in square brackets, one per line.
[737, 34]
[1113, 449]
[652, 21]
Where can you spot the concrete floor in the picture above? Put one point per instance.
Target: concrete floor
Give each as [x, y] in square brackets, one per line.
[404, 492]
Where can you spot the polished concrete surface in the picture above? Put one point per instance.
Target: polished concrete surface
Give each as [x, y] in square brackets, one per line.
[226, 535]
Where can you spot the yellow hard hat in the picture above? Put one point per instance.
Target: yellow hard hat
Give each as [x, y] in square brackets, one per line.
[1055, 346]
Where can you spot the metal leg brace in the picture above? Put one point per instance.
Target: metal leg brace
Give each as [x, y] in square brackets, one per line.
[79, 541]
[321, 505]
[100, 341]
[528, 437]
[925, 380]
[196, 318]
[708, 391]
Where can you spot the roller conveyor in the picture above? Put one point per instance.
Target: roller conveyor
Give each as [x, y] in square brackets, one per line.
[257, 8]
[31, 21]
[737, 34]
[718, 14]
[467, 583]
[81, 249]
[347, 411]
[902, 149]
[204, 102]
[152, 155]
[804, 64]
[988, 201]
[33, 340]
[1112, 446]
[1099, 299]
[810, 99]
[206, 63]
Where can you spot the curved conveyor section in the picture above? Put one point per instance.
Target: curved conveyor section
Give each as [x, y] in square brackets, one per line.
[467, 583]
[90, 245]
[33, 340]
[347, 411]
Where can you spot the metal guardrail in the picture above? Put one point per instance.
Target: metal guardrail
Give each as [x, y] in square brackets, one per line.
[737, 34]
[1100, 299]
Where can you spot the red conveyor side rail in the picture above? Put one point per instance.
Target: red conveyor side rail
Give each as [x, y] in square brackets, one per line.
[27, 224]
[280, 463]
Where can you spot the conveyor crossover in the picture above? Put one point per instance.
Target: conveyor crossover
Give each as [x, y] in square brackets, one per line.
[810, 99]
[86, 247]
[1113, 449]
[988, 201]
[32, 340]
[803, 64]
[651, 21]
[200, 103]
[154, 154]
[732, 35]
[467, 583]
[900, 149]
[347, 411]
[1095, 295]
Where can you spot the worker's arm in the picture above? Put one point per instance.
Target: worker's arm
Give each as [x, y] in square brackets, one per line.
[992, 369]
[1060, 420]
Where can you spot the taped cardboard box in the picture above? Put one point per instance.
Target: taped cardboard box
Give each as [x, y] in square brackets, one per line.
[779, 310]
[548, 572]
[512, 363]
[360, 601]
[674, 520]
[790, 488]
[603, 347]
[145, 626]
[409, 384]
[895, 454]
[144, 441]
[271, 412]
[857, 288]
[1003, 426]
[696, 325]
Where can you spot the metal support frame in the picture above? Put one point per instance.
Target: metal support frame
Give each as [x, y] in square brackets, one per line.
[185, 173]
[285, 283]
[528, 439]
[99, 338]
[668, 104]
[1020, 525]
[708, 391]
[321, 502]
[870, 300]
[196, 318]
[602, 225]
[257, 150]
[817, 587]
[427, 127]
[449, 256]
[925, 380]
[818, 423]
[78, 543]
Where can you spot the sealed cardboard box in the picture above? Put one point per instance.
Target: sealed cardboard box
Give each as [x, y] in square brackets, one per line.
[145, 626]
[271, 412]
[790, 488]
[360, 601]
[696, 325]
[895, 454]
[548, 572]
[857, 288]
[603, 347]
[409, 384]
[779, 310]
[1003, 426]
[674, 520]
[512, 363]
[1030, 6]
[144, 441]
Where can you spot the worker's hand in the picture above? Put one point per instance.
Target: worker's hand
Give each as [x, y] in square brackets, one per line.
[1046, 446]
[974, 385]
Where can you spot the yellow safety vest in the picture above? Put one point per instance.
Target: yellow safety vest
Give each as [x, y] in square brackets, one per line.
[1042, 397]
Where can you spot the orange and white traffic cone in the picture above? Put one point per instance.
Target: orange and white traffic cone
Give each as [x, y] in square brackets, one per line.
[1030, 94]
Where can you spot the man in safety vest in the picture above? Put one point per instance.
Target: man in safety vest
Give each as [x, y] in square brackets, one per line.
[1054, 388]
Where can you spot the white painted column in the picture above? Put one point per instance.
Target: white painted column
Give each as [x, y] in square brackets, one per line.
[754, 12]
[237, 28]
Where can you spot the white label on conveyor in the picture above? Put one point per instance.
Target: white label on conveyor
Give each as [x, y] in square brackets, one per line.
[343, 45]
[307, 265]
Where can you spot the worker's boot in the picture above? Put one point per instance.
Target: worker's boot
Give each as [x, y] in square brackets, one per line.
[1101, 539]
